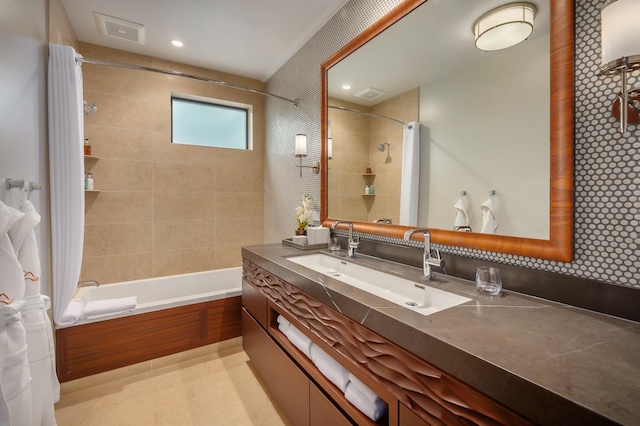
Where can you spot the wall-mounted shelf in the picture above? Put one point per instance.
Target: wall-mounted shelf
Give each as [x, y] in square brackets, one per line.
[91, 191]
[368, 175]
[368, 195]
[91, 158]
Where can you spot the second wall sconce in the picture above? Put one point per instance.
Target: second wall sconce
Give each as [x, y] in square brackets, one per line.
[621, 54]
[301, 152]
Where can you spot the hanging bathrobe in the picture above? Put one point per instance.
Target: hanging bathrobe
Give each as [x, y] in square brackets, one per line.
[15, 376]
[45, 388]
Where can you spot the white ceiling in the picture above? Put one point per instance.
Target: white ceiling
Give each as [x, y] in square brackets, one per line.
[250, 38]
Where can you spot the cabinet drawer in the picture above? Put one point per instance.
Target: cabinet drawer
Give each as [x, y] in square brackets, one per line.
[254, 302]
[322, 412]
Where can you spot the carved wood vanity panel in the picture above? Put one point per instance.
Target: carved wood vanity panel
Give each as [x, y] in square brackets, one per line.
[432, 394]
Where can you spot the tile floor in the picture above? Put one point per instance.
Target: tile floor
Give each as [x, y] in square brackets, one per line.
[217, 389]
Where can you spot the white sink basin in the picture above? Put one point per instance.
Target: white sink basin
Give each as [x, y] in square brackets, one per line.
[413, 295]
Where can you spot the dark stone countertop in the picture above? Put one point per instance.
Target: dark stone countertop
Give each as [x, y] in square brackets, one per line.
[553, 363]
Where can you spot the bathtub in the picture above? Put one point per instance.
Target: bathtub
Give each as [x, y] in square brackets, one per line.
[173, 314]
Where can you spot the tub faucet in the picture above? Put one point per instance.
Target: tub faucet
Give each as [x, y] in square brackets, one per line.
[352, 244]
[428, 261]
[88, 283]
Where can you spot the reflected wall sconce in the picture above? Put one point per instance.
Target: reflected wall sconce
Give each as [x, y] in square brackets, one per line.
[301, 152]
[504, 27]
[329, 148]
[621, 54]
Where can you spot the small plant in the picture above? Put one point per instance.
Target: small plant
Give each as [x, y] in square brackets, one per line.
[303, 213]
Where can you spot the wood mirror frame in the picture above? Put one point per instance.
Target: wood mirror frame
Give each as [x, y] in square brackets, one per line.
[559, 246]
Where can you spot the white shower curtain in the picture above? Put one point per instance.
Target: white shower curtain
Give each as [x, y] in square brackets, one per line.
[66, 163]
[410, 184]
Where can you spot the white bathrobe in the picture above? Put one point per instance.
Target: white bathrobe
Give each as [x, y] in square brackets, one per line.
[45, 388]
[15, 376]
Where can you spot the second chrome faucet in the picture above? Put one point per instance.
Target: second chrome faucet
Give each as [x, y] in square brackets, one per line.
[428, 261]
[352, 244]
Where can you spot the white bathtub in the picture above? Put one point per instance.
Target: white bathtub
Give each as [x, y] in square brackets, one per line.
[154, 294]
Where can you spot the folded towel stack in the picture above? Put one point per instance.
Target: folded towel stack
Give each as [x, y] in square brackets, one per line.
[73, 312]
[330, 368]
[299, 340]
[102, 308]
[283, 324]
[359, 395]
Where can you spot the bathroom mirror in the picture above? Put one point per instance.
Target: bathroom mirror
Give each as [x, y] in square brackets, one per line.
[559, 142]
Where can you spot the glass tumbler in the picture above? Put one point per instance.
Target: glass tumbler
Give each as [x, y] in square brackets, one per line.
[488, 280]
[334, 245]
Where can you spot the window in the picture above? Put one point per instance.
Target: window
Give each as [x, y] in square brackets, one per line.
[210, 122]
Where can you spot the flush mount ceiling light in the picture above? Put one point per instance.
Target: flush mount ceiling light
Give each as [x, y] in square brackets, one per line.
[177, 43]
[504, 27]
[621, 54]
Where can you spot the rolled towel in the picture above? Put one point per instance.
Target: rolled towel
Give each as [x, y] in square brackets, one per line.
[332, 370]
[299, 340]
[283, 327]
[102, 308]
[366, 391]
[282, 320]
[371, 409]
[73, 312]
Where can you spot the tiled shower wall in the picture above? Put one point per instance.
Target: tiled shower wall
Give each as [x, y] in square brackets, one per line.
[164, 209]
[607, 165]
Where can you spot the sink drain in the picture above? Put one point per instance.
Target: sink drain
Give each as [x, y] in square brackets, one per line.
[411, 303]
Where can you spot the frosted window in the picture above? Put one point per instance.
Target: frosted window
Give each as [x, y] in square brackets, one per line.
[195, 122]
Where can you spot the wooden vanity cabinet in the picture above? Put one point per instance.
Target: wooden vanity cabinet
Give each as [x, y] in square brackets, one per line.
[417, 392]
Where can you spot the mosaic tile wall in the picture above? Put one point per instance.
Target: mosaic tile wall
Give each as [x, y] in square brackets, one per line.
[607, 164]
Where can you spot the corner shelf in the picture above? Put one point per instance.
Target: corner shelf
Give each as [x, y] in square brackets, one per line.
[91, 191]
[91, 157]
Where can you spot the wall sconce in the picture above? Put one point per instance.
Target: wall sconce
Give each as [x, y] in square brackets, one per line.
[504, 27]
[329, 148]
[301, 151]
[621, 53]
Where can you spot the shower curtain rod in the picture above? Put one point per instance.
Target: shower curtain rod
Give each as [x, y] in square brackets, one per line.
[294, 102]
[371, 114]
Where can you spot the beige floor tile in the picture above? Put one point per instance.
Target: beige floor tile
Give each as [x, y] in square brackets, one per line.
[213, 391]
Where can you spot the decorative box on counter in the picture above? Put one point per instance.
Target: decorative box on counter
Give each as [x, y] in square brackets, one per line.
[318, 234]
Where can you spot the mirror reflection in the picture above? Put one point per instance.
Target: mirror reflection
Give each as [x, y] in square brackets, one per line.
[482, 118]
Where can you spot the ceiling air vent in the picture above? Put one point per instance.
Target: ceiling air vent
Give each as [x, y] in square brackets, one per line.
[370, 93]
[119, 28]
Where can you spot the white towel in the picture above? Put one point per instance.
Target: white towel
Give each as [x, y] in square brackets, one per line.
[331, 369]
[373, 410]
[462, 219]
[102, 308]
[73, 312]
[299, 340]
[366, 391]
[489, 218]
[282, 320]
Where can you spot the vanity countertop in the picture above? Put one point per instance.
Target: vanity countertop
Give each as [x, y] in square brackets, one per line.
[553, 363]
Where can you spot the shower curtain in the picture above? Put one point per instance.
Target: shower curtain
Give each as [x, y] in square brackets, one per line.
[409, 187]
[66, 164]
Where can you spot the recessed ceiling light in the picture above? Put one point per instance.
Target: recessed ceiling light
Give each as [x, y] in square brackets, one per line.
[346, 86]
[177, 43]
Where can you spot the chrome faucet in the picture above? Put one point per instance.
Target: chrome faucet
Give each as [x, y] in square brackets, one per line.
[428, 261]
[88, 283]
[352, 244]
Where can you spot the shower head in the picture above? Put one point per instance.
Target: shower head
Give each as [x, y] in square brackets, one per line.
[89, 108]
[381, 146]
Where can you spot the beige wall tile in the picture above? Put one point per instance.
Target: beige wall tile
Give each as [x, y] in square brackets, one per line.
[239, 205]
[118, 207]
[122, 175]
[114, 239]
[159, 199]
[228, 256]
[174, 262]
[183, 234]
[184, 177]
[244, 231]
[117, 143]
[118, 268]
[173, 206]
